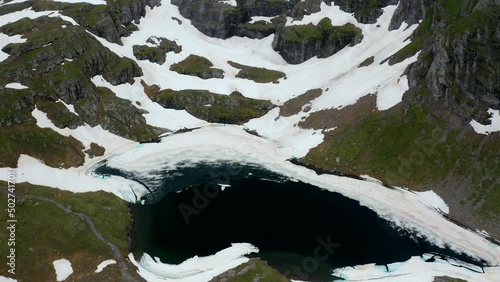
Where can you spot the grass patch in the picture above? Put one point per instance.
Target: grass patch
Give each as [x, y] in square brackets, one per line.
[44, 144]
[295, 105]
[253, 270]
[59, 114]
[158, 53]
[418, 151]
[259, 75]
[367, 62]
[45, 233]
[197, 66]
[212, 107]
[95, 150]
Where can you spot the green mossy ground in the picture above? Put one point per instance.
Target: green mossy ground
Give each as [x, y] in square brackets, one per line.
[259, 75]
[295, 105]
[324, 29]
[45, 233]
[59, 114]
[298, 43]
[415, 150]
[95, 150]
[367, 62]
[212, 107]
[399, 146]
[253, 270]
[197, 66]
[157, 54]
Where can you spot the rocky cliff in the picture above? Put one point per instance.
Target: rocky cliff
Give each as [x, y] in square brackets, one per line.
[426, 142]
[56, 63]
[299, 43]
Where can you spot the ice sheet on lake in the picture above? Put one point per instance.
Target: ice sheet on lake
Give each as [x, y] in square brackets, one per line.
[195, 269]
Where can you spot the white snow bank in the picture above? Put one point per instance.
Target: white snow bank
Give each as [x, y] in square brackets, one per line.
[63, 269]
[195, 269]
[284, 130]
[259, 18]
[229, 2]
[16, 85]
[415, 270]
[487, 129]
[12, 2]
[7, 279]
[70, 108]
[5, 40]
[103, 264]
[430, 198]
[29, 13]
[392, 93]
[93, 2]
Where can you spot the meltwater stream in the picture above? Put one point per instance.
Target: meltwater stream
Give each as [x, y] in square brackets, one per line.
[301, 230]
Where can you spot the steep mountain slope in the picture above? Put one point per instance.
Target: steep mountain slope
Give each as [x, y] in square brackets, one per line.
[427, 141]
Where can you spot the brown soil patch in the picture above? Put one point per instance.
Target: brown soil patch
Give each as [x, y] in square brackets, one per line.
[330, 118]
[294, 105]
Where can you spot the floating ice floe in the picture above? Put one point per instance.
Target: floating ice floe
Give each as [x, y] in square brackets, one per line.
[195, 269]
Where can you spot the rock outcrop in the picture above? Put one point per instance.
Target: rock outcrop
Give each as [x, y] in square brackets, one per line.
[197, 66]
[365, 11]
[212, 107]
[111, 21]
[158, 52]
[299, 43]
[212, 17]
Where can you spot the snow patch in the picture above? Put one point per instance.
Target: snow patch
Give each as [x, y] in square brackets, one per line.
[416, 269]
[70, 108]
[85, 134]
[93, 2]
[194, 269]
[5, 40]
[63, 269]
[490, 128]
[229, 2]
[430, 198]
[392, 93]
[103, 264]
[16, 85]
